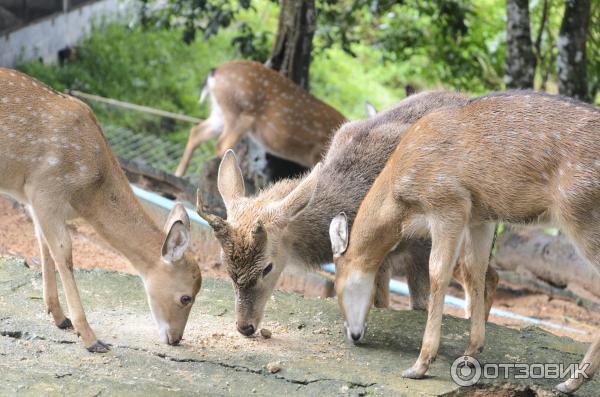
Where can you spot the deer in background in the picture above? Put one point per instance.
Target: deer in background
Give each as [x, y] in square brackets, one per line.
[288, 223]
[55, 159]
[516, 157]
[249, 98]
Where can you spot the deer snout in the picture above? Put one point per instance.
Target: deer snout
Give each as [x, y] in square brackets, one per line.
[355, 333]
[246, 329]
[170, 337]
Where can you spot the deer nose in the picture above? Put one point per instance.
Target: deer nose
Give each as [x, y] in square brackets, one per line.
[246, 330]
[174, 342]
[355, 337]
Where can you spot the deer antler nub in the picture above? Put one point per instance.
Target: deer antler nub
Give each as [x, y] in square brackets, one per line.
[218, 224]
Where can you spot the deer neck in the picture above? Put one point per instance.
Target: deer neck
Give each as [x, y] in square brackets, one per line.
[121, 220]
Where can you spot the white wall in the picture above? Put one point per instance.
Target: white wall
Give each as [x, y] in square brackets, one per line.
[44, 38]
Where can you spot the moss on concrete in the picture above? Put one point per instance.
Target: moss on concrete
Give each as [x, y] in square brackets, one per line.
[38, 359]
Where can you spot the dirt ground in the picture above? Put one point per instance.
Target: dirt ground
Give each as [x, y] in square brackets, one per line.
[90, 251]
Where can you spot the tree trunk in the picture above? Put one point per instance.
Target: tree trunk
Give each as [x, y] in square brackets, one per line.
[291, 54]
[571, 59]
[291, 57]
[520, 60]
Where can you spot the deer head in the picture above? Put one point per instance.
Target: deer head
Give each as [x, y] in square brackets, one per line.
[250, 237]
[172, 284]
[355, 290]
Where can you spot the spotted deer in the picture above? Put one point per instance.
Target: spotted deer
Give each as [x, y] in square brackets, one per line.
[55, 159]
[516, 157]
[288, 223]
[249, 98]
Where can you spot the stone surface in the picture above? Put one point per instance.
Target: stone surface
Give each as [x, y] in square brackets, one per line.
[36, 358]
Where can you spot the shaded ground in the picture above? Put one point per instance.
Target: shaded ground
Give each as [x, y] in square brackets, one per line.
[39, 359]
[90, 251]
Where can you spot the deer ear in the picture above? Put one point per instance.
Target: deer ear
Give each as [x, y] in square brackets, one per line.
[371, 111]
[178, 236]
[230, 180]
[298, 199]
[338, 234]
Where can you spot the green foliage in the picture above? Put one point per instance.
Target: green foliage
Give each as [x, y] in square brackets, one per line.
[387, 45]
[458, 44]
[147, 67]
[154, 67]
[207, 17]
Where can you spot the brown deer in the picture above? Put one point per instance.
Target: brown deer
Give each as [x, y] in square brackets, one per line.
[288, 223]
[55, 159]
[249, 98]
[516, 157]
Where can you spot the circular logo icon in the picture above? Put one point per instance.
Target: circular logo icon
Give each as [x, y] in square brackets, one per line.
[465, 371]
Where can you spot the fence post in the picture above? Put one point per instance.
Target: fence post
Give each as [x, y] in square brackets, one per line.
[65, 5]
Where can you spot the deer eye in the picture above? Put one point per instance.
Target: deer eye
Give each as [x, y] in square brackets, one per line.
[267, 269]
[185, 300]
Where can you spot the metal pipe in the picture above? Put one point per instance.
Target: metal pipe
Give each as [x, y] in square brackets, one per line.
[401, 288]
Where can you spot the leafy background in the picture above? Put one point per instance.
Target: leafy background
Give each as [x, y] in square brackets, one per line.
[359, 55]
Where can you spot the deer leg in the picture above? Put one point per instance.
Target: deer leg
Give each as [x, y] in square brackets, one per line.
[49, 281]
[478, 242]
[491, 285]
[232, 133]
[446, 239]
[198, 134]
[58, 240]
[417, 278]
[382, 287]
[590, 364]
[585, 235]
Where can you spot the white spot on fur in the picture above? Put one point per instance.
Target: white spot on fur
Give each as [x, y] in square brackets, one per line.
[52, 160]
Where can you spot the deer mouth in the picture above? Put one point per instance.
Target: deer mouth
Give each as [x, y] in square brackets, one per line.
[355, 333]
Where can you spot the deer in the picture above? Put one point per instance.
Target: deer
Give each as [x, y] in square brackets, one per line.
[248, 98]
[55, 159]
[517, 157]
[287, 224]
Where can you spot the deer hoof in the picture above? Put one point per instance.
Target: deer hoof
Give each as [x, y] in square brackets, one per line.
[98, 347]
[412, 373]
[66, 324]
[566, 388]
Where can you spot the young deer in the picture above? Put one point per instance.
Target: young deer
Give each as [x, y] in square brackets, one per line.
[55, 159]
[514, 157]
[288, 223]
[249, 98]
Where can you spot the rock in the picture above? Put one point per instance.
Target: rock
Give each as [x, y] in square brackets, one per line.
[274, 367]
[266, 333]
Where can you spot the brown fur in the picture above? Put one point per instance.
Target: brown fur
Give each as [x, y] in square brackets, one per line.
[55, 159]
[254, 99]
[296, 213]
[514, 157]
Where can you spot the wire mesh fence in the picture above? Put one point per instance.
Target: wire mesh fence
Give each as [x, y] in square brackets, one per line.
[146, 148]
[151, 150]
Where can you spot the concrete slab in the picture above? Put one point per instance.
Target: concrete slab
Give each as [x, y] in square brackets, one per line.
[38, 359]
